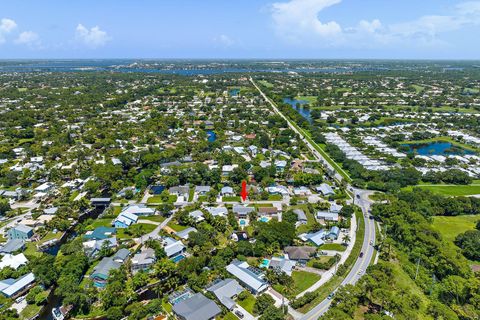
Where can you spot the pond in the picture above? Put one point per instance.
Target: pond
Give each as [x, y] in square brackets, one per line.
[212, 136]
[234, 92]
[299, 106]
[440, 148]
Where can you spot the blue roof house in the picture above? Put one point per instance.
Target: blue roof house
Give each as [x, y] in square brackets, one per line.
[20, 232]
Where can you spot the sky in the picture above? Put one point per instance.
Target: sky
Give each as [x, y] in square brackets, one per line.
[261, 29]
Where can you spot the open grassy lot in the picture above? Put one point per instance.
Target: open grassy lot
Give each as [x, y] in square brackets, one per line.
[453, 190]
[143, 228]
[102, 222]
[231, 199]
[333, 246]
[247, 303]
[303, 280]
[158, 199]
[310, 99]
[155, 218]
[177, 227]
[450, 227]
[265, 83]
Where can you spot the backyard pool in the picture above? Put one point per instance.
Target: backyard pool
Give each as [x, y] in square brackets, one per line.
[265, 263]
[178, 258]
[242, 222]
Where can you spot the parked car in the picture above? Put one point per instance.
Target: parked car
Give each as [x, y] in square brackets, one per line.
[239, 314]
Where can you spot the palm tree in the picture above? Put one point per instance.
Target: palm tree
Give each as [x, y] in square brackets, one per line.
[346, 238]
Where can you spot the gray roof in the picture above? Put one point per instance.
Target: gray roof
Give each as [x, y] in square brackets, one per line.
[300, 253]
[300, 214]
[121, 254]
[12, 246]
[225, 290]
[184, 233]
[146, 256]
[103, 268]
[198, 307]
[242, 209]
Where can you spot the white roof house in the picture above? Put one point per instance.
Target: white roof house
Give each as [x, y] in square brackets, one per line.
[10, 287]
[252, 280]
[9, 260]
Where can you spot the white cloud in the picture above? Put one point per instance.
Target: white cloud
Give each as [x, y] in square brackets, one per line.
[224, 40]
[6, 26]
[298, 21]
[93, 37]
[28, 38]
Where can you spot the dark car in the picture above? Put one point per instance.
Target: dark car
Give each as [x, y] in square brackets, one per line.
[239, 314]
[361, 254]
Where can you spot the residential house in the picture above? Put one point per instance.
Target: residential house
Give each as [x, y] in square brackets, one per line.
[196, 215]
[13, 261]
[143, 260]
[173, 247]
[100, 233]
[242, 211]
[282, 264]
[327, 216]
[301, 217]
[184, 234]
[227, 191]
[225, 291]
[11, 288]
[139, 210]
[202, 190]
[197, 307]
[13, 245]
[125, 219]
[20, 231]
[249, 277]
[325, 189]
[102, 270]
[300, 254]
[317, 238]
[227, 169]
[333, 233]
[217, 211]
[182, 193]
[280, 165]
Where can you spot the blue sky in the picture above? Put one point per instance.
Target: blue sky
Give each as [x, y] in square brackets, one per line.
[425, 29]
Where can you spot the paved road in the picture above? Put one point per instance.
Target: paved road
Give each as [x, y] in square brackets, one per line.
[363, 201]
[361, 264]
[315, 152]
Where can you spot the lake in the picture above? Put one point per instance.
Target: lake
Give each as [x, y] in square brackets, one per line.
[298, 105]
[212, 136]
[439, 148]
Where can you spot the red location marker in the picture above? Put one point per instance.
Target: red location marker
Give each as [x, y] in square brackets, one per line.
[244, 192]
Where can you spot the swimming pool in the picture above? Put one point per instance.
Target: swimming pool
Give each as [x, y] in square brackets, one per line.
[264, 219]
[178, 258]
[243, 222]
[265, 263]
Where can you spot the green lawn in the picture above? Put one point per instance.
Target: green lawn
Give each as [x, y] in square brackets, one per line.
[265, 83]
[275, 197]
[31, 250]
[231, 199]
[74, 195]
[50, 236]
[30, 311]
[310, 99]
[155, 218]
[333, 246]
[451, 190]
[230, 316]
[177, 227]
[158, 199]
[304, 280]
[101, 222]
[450, 227]
[247, 303]
[145, 228]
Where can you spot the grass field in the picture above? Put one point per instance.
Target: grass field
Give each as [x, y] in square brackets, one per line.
[158, 199]
[303, 280]
[450, 190]
[247, 303]
[100, 223]
[231, 199]
[333, 246]
[155, 218]
[265, 83]
[450, 227]
[310, 99]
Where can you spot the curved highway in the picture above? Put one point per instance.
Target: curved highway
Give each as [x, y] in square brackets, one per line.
[361, 198]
